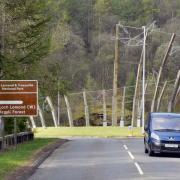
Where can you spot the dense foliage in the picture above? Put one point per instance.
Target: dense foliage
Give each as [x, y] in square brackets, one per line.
[68, 44]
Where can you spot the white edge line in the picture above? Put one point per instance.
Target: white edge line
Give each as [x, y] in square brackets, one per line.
[130, 154]
[125, 147]
[139, 168]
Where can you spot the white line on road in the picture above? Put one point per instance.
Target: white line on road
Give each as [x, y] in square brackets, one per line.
[130, 154]
[125, 147]
[139, 168]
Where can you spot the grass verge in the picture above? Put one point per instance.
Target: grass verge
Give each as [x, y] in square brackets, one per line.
[87, 131]
[14, 159]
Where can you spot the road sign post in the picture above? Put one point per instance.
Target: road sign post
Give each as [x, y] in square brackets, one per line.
[18, 98]
[15, 133]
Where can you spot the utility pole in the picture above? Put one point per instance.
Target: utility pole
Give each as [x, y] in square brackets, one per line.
[143, 85]
[140, 108]
[136, 88]
[115, 79]
[160, 71]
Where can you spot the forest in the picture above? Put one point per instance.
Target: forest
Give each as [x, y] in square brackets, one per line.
[68, 45]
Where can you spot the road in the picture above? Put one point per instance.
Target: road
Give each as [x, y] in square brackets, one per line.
[106, 159]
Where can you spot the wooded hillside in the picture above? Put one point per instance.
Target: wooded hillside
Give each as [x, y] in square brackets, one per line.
[68, 45]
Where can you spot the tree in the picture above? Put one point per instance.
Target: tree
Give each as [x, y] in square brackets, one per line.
[25, 36]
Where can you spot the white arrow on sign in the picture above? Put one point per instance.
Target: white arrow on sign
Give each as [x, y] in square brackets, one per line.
[11, 102]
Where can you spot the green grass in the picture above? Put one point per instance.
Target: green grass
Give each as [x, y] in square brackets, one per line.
[13, 159]
[87, 131]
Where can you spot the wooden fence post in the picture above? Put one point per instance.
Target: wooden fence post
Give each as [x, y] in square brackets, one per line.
[58, 109]
[139, 114]
[32, 122]
[52, 110]
[140, 109]
[160, 72]
[41, 117]
[123, 108]
[68, 111]
[104, 108]
[176, 98]
[161, 95]
[176, 87]
[86, 109]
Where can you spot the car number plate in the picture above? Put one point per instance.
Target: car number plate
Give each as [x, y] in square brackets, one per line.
[171, 145]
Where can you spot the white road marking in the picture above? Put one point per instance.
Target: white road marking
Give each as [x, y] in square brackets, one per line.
[130, 154]
[125, 147]
[139, 168]
[135, 163]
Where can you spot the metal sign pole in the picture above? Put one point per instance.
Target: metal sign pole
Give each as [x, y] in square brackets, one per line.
[2, 130]
[15, 133]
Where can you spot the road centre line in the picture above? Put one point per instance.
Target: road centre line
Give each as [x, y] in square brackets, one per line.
[130, 154]
[135, 163]
[125, 147]
[139, 168]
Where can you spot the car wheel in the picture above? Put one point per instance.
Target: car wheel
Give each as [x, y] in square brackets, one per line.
[150, 152]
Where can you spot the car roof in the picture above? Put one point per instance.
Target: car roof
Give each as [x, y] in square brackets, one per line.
[164, 114]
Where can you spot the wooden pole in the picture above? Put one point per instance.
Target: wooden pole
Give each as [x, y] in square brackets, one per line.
[58, 110]
[32, 122]
[86, 109]
[123, 108]
[52, 110]
[139, 114]
[140, 108]
[160, 72]
[41, 117]
[135, 92]
[104, 108]
[115, 79]
[68, 111]
[161, 95]
[176, 87]
[176, 98]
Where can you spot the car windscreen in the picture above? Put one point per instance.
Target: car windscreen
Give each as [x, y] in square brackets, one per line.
[166, 123]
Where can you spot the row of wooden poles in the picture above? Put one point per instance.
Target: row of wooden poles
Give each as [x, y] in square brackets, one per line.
[171, 104]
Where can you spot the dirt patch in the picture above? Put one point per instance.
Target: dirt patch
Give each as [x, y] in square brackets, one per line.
[26, 171]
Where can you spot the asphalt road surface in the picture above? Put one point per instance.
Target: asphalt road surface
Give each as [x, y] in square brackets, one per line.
[107, 159]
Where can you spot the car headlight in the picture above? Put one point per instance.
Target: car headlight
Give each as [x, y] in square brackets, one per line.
[155, 136]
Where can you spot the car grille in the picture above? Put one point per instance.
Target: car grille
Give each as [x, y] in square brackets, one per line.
[170, 149]
[170, 142]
